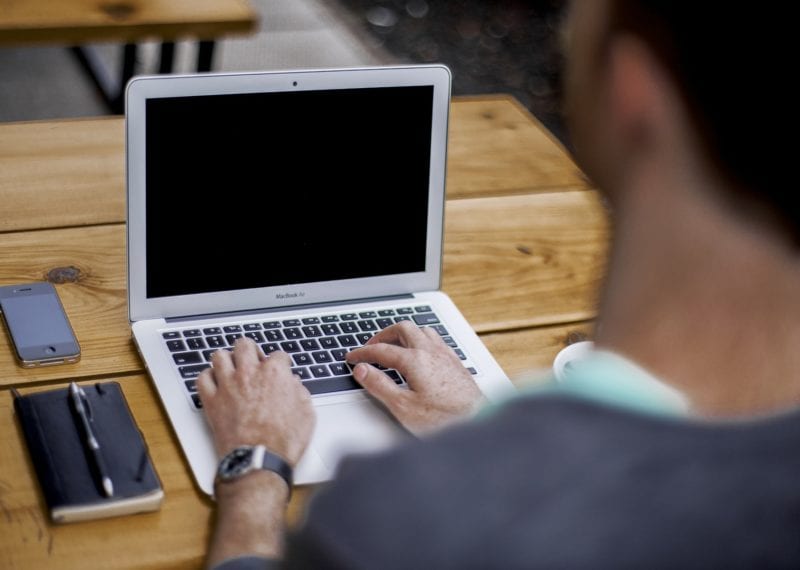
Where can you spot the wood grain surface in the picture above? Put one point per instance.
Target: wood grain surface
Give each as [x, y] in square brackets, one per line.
[84, 21]
[524, 253]
[495, 148]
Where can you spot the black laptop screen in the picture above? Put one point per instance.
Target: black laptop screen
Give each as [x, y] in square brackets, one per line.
[267, 189]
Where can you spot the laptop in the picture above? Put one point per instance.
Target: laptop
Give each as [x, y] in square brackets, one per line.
[303, 209]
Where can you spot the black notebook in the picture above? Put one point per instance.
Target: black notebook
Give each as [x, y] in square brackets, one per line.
[63, 462]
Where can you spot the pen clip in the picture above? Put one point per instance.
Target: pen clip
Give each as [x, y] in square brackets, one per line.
[86, 405]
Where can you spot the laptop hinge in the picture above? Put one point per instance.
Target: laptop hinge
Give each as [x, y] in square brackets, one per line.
[235, 314]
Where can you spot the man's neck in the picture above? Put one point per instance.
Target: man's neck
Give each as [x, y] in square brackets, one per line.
[701, 298]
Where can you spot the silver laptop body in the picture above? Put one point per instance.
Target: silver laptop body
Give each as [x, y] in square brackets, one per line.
[288, 200]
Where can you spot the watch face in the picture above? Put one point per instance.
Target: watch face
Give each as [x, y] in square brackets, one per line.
[236, 462]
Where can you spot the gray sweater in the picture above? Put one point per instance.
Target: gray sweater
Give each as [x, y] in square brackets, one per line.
[560, 482]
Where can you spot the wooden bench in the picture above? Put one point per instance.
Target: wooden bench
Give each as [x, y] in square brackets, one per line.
[81, 22]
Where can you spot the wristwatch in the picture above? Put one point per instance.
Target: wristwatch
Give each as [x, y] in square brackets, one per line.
[249, 458]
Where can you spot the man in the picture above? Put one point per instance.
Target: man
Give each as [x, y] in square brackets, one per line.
[701, 292]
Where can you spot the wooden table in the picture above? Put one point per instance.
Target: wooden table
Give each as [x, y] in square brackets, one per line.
[525, 247]
[81, 22]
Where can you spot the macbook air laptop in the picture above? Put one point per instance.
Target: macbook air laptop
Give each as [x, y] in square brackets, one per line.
[302, 209]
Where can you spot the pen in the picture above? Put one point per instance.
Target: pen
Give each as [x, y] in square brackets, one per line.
[79, 402]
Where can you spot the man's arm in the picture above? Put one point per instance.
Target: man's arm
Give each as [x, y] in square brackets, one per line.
[250, 518]
[250, 399]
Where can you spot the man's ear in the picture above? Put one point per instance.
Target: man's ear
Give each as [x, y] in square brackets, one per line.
[639, 92]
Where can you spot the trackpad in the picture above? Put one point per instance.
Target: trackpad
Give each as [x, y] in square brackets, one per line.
[353, 427]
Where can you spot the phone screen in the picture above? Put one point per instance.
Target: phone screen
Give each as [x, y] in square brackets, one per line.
[38, 326]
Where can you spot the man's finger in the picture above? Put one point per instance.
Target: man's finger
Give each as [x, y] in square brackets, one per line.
[404, 333]
[222, 361]
[389, 355]
[206, 386]
[245, 352]
[376, 383]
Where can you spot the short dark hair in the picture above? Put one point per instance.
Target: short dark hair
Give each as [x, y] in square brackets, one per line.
[732, 62]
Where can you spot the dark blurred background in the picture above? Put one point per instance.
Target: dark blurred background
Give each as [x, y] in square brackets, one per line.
[506, 46]
[509, 46]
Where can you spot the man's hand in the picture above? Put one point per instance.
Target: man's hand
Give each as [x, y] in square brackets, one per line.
[440, 390]
[252, 399]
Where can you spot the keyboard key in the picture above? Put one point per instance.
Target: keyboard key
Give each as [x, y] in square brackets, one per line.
[252, 327]
[311, 321]
[448, 340]
[402, 318]
[302, 359]
[191, 385]
[181, 358]
[319, 371]
[423, 309]
[347, 340]
[405, 311]
[333, 384]
[349, 327]
[273, 335]
[368, 315]
[311, 331]
[423, 319]
[339, 368]
[176, 345]
[349, 317]
[303, 373]
[339, 354]
[292, 334]
[383, 323]
[192, 332]
[197, 402]
[255, 335]
[212, 330]
[232, 329]
[330, 329]
[270, 347]
[363, 337]
[272, 325]
[195, 343]
[170, 335]
[322, 356]
[386, 313]
[394, 375]
[215, 341]
[330, 319]
[440, 329]
[290, 346]
[291, 323]
[367, 325]
[309, 344]
[232, 338]
[192, 371]
[460, 354]
[328, 342]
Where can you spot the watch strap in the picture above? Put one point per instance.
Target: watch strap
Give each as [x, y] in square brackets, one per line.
[277, 464]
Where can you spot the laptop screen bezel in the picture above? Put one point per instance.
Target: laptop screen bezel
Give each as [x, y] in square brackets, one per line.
[142, 89]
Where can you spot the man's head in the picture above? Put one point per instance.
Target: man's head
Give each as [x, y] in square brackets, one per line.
[729, 65]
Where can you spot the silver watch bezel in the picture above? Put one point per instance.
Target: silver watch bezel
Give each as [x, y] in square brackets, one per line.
[226, 471]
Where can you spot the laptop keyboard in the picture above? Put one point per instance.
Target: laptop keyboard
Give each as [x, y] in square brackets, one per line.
[317, 345]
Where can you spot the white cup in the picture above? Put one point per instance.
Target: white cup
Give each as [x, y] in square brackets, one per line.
[569, 354]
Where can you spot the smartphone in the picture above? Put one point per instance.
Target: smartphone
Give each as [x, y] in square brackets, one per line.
[38, 325]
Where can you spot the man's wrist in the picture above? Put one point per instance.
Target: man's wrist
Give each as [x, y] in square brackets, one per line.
[258, 482]
[244, 461]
